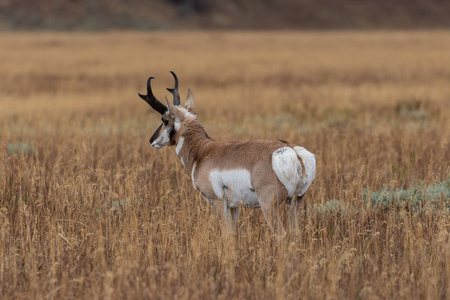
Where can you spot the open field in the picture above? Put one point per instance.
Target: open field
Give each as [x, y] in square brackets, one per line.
[88, 210]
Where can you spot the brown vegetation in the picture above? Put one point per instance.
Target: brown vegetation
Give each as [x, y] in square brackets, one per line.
[89, 210]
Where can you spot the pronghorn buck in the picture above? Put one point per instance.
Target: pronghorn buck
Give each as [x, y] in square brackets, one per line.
[229, 174]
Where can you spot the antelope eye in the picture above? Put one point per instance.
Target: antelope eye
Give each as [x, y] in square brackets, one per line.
[165, 122]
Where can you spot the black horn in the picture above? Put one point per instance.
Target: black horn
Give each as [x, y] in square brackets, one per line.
[151, 99]
[174, 91]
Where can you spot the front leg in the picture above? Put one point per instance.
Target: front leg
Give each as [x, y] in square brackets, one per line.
[221, 210]
[227, 216]
[231, 215]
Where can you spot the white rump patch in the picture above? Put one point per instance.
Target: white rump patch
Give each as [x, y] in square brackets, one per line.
[309, 160]
[289, 171]
[162, 140]
[234, 186]
[179, 145]
[287, 167]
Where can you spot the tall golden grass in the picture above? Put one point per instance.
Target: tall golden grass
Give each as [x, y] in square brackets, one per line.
[89, 210]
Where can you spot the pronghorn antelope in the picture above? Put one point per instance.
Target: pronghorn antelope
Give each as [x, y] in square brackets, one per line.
[229, 174]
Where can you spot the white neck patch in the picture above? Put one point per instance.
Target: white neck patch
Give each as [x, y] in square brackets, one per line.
[192, 175]
[177, 124]
[179, 145]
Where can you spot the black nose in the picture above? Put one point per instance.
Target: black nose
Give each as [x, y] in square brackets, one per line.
[150, 141]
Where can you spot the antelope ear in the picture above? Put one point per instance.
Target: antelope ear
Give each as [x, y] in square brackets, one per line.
[189, 103]
[174, 111]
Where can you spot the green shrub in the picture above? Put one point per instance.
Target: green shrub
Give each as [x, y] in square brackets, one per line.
[23, 148]
[332, 206]
[418, 197]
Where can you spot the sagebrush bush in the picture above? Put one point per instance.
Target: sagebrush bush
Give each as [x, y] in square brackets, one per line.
[418, 197]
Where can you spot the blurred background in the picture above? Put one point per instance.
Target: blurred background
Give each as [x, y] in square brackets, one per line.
[89, 210]
[236, 14]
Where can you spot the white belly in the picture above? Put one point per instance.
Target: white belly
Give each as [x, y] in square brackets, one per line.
[234, 186]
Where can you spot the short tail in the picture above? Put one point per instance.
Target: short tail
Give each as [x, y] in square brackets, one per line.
[295, 168]
[308, 160]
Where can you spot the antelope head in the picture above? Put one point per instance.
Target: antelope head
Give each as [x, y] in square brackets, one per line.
[173, 115]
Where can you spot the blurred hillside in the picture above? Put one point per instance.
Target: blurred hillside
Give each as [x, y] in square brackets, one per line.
[234, 14]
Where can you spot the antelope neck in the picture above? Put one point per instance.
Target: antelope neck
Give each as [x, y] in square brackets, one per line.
[191, 144]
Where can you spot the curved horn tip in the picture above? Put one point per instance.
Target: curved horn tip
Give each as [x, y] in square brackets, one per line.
[175, 76]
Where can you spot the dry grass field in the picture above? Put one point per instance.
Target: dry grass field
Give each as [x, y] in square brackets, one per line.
[88, 210]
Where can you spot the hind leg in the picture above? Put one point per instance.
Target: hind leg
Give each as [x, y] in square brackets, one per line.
[295, 208]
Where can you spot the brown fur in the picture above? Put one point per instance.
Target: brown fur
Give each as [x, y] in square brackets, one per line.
[256, 156]
[201, 155]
